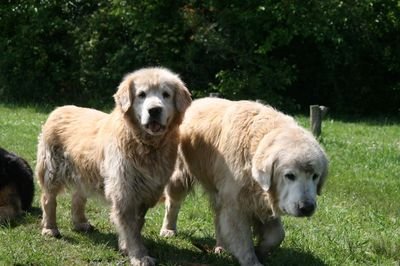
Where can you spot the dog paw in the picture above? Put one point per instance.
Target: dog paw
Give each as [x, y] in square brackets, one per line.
[219, 250]
[83, 227]
[53, 232]
[144, 261]
[167, 233]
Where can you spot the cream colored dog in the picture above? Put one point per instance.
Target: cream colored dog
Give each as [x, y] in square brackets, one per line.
[255, 163]
[127, 155]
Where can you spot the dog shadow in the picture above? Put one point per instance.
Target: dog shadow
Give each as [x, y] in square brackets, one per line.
[166, 253]
[292, 257]
[169, 254]
[35, 211]
[280, 256]
[201, 253]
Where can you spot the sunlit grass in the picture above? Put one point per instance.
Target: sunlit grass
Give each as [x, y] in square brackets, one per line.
[357, 222]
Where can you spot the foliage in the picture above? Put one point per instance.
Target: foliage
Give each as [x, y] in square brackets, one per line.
[344, 54]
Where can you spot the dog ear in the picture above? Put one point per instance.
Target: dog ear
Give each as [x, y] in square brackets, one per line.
[262, 171]
[263, 162]
[124, 95]
[183, 97]
[323, 176]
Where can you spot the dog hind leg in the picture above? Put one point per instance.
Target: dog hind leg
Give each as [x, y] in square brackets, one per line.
[46, 171]
[79, 220]
[175, 193]
[49, 206]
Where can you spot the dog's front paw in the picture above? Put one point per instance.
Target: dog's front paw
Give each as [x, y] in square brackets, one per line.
[167, 232]
[53, 232]
[83, 227]
[143, 261]
[219, 250]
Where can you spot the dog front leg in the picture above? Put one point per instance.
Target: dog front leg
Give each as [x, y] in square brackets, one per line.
[129, 221]
[270, 235]
[235, 233]
[175, 193]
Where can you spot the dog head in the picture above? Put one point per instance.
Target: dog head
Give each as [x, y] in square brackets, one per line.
[155, 96]
[292, 165]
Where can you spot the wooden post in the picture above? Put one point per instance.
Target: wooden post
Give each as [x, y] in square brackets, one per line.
[315, 120]
[324, 110]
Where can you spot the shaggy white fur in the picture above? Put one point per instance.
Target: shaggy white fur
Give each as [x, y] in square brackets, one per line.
[255, 163]
[127, 155]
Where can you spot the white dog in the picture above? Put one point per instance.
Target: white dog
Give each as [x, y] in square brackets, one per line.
[127, 155]
[255, 163]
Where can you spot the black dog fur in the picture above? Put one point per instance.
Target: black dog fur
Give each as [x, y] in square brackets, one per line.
[16, 185]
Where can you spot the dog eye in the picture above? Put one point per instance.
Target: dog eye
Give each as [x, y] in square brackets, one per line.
[315, 177]
[142, 95]
[291, 177]
[166, 95]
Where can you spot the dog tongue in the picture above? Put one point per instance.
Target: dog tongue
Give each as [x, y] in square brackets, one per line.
[155, 127]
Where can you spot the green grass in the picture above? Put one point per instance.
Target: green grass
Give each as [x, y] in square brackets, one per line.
[357, 222]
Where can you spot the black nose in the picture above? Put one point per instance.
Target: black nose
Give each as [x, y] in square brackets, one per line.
[306, 207]
[155, 112]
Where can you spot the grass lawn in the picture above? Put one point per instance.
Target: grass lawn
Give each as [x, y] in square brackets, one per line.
[357, 221]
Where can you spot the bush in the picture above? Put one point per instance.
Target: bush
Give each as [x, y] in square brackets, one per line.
[288, 53]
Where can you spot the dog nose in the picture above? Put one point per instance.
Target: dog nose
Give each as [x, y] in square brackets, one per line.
[155, 112]
[306, 207]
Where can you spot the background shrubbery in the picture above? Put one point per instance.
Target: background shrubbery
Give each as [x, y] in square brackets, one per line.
[344, 54]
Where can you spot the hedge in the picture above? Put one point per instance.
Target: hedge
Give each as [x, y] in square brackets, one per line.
[343, 54]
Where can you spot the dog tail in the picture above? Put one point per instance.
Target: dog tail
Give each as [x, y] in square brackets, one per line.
[40, 161]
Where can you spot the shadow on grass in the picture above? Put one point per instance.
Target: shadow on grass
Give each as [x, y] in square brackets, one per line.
[25, 218]
[169, 254]
[36, 212]
[280, 256]
[199, 254]
[164, 252]
[95, 236]
[288, 256]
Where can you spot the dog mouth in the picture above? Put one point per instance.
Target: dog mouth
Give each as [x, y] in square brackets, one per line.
[155, 127]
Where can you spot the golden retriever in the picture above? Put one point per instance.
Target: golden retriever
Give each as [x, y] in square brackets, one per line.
[255, 163]
[128, 155]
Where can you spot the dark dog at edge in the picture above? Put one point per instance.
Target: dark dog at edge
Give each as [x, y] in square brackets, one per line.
[16, 185]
